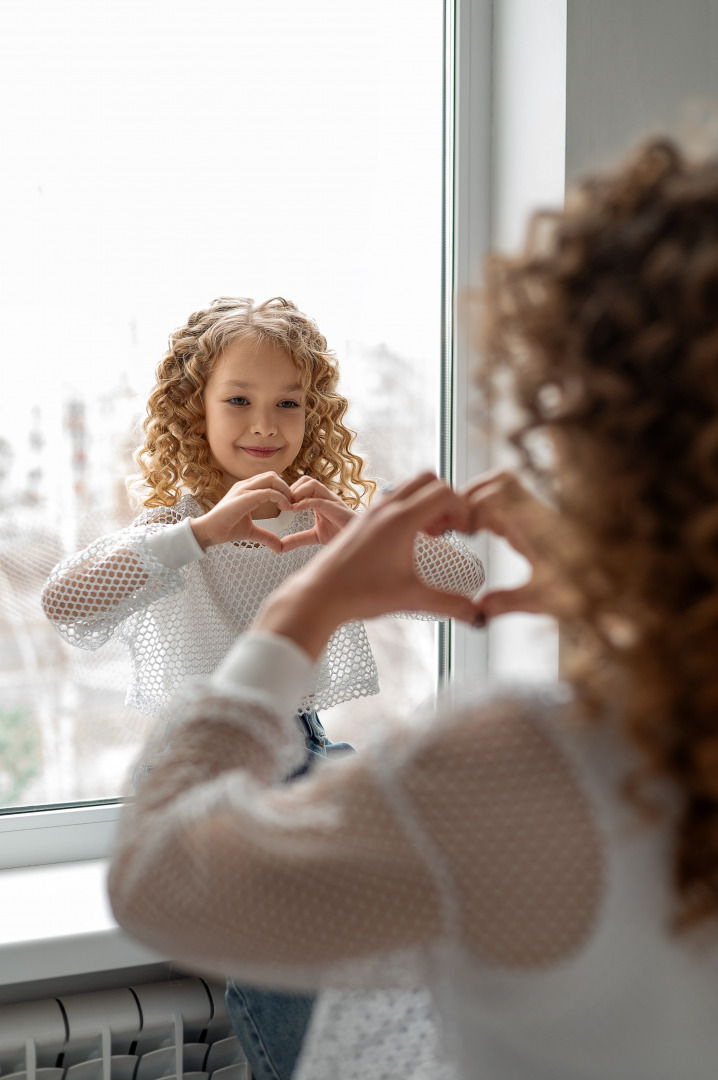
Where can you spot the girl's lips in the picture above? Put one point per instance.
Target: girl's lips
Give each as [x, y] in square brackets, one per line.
[260, 451]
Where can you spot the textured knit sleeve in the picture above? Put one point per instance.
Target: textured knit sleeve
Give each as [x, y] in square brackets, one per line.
[89, 595]
[479, 835]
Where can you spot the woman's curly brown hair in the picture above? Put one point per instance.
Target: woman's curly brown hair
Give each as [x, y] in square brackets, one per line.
[607, 324]
[175, 458]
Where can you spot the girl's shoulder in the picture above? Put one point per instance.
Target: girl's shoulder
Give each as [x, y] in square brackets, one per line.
[185, 507]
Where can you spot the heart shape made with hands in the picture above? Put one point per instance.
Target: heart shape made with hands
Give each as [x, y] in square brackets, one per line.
[331, 514]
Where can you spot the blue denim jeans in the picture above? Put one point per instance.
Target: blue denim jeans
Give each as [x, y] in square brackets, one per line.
[271, 1024]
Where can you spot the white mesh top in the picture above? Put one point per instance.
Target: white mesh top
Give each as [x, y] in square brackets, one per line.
[486, 851]
[179, 609]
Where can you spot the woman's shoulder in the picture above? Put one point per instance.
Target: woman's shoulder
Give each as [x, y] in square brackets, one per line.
[481, 713]
[507, 738]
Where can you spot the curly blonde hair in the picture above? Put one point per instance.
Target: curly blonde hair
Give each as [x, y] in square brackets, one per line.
[607, 324]
[174, 457]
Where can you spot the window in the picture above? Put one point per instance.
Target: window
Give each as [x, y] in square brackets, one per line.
[156, 156]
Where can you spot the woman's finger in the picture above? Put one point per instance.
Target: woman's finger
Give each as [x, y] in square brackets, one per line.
[526, 598]
[429, 507]
[496, 478]
[398, 492]
[436, 602]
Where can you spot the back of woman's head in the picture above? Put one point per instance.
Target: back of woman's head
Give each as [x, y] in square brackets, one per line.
[175, 458]
[608, 326]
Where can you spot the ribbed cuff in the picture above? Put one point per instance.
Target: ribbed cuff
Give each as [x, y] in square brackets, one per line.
[270, 665]
[175, 545]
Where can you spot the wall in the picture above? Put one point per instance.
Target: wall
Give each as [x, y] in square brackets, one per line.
[635, 66]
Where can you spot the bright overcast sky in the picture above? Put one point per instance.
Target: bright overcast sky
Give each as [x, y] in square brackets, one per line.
[159, 153]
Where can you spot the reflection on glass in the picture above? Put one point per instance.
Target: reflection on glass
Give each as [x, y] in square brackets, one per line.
[157, 156]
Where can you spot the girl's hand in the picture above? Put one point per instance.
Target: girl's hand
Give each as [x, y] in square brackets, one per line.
[368, 569]
[331, 513]
[499, 503]
[231, 519]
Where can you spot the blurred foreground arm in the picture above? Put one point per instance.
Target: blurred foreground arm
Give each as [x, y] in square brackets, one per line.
[370, 568]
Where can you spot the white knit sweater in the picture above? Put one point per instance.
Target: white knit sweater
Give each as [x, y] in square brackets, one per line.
[179, 609]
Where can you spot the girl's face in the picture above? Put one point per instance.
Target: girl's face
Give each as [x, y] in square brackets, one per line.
[254, 410]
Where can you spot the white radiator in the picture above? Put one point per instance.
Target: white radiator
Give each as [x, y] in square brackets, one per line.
[177, 1029]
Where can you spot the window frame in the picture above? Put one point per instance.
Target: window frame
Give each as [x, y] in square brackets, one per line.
[42, 837]
[45, 836]
[464, 654]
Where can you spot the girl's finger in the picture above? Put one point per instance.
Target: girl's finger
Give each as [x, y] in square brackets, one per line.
[262, 481]
[299, 539]
[250, 500]
[337, 512]
[307, 481]
[264, 537]
[309, 488]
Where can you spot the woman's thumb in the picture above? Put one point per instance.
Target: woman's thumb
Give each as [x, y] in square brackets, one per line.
[505, 601]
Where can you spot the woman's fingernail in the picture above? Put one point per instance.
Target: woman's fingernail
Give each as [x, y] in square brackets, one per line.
[480, 620]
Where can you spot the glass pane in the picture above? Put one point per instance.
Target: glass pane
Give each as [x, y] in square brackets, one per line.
[158, 155]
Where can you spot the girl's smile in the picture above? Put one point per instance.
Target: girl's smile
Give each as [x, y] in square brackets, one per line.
[254, 409]
[261, 451]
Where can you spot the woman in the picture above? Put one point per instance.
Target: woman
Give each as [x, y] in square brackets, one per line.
[546, 862]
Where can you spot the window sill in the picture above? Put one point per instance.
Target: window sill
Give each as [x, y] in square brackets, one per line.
[57, 924]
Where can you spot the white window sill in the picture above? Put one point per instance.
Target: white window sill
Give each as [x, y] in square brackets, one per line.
[56, 922]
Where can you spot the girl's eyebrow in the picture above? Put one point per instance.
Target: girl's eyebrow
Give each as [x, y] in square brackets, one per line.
[251, 386]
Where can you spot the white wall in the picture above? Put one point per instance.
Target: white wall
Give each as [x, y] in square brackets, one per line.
[575, 83]
[528, 154]
[633, 67]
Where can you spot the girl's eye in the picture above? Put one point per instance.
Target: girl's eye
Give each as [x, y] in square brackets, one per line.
[238, 401]
[289, 404]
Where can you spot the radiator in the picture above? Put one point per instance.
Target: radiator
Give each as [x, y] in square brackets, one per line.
[177, 1029]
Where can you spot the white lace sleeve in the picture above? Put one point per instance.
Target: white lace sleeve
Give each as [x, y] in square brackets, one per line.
[89, 595]
[214, 854]
[445, 563]
[411, 844]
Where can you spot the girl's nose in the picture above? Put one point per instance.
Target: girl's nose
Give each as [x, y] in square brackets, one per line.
[263, 423]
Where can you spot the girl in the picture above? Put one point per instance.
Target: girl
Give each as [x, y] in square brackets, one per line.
[244, 389]
[247, 469]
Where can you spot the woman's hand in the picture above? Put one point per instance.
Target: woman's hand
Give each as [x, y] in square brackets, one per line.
[231, 519]
[331, 513]
[368, 569]
[500, 504]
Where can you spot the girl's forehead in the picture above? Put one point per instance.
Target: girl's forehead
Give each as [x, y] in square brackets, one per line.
[252, 363]
[255, 353]
[255, 350]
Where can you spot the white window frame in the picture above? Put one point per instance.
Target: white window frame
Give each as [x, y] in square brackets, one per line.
[468, 128]
[68, 834]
